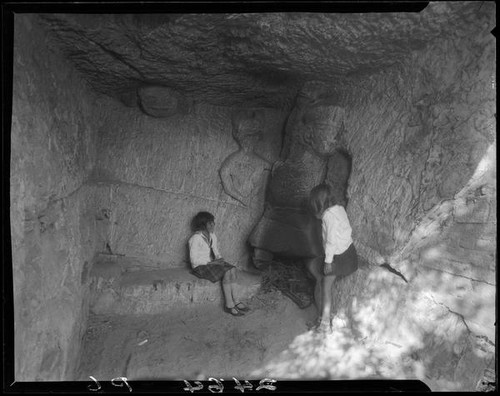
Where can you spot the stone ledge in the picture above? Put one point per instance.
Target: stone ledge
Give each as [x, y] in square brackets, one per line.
[116, 289]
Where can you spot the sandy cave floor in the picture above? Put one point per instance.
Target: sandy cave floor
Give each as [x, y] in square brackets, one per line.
[272, 341]
[193, 343]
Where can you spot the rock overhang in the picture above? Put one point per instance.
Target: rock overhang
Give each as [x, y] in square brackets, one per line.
[253, 59]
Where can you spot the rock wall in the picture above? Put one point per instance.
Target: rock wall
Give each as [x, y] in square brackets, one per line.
[423, 200]
[154, 174]
[52, 223]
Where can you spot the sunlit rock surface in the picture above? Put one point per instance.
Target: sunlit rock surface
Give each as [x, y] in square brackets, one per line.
[387, 329]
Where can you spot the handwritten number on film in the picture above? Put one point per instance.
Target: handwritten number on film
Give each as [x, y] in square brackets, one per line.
[191, 388]
[241, 388]
[216, 388]
[113, 382]
[265, 383]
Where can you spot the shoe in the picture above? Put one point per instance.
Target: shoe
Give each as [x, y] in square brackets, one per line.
[311, 325]
[323, 328]
[233, 311]
[243, 307]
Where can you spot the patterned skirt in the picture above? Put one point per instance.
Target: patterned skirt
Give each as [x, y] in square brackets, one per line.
[213, 272]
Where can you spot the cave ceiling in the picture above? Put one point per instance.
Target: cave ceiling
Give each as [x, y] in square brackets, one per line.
[246, 58]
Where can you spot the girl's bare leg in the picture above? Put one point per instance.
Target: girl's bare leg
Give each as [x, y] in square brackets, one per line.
[314, 266]
[232, 282]
[327, 299]
[233, 277]
[227, 290]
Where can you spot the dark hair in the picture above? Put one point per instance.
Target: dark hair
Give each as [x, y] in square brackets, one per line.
[200, 221]
[323, 196]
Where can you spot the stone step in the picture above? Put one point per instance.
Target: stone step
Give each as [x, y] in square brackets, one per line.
[121, 287]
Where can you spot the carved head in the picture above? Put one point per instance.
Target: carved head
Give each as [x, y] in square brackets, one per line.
[319, 126]
[247, 128]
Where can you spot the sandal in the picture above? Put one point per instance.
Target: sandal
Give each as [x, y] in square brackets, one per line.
[243, 308]
[312, 324]
[323, 328]
[233, 311]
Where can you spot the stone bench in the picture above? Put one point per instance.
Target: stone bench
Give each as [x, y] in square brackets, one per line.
[121, 286]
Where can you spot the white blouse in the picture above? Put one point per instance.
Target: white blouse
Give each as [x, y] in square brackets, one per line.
[199, 248]
[337, 232]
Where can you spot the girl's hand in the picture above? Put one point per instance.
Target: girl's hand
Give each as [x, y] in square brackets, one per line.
[328, 268]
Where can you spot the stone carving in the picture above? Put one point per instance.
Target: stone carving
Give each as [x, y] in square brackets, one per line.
[338, 172]
[286, 228]
[160, 102]
[242, 172]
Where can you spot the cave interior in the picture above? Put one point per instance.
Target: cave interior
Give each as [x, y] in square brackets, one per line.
[125, 125]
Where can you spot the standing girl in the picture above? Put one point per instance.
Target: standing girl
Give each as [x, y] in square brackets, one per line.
[340, 257]
[207, 263]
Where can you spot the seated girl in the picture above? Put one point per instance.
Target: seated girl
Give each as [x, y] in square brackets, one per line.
[340, 257]
[207, 262]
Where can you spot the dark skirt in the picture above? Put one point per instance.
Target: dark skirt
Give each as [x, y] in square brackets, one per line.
[214, 272]
[346, 263]
[288, 233]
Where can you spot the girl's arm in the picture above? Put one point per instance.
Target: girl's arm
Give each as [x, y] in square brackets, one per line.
[215, 247]
[329, 226]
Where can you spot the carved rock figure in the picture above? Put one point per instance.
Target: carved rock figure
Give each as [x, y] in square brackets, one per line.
[158, 101]
[243, 172]
[286, 228]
